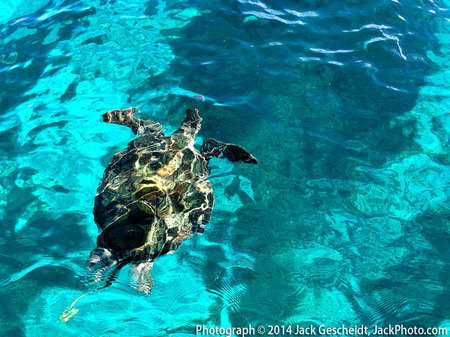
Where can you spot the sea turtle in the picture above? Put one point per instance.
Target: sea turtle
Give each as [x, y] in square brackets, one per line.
[154, 194]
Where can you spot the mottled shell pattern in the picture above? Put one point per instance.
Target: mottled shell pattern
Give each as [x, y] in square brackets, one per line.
[153, 196]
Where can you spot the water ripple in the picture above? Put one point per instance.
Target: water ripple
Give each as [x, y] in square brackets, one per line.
[345, 104]
[43, 263]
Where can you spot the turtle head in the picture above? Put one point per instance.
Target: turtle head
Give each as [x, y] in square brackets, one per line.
[102, 259]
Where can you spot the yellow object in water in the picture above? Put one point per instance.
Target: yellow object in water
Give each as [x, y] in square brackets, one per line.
[67, 314]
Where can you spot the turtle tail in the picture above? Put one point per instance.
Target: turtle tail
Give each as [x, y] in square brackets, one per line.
[234, 153]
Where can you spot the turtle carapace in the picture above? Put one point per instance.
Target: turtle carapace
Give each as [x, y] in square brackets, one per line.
[154, 194]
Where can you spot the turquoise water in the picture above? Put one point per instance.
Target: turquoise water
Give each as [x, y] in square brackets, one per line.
[345, 220]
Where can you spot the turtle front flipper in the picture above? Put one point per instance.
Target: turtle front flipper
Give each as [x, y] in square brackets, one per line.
[138, 126]
[140, 276]
[234, 153]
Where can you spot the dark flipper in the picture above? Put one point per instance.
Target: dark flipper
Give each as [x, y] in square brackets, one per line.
[139, 126]
[234, 153]
[191, 125]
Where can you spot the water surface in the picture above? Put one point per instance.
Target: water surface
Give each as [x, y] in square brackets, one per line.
[345, 104]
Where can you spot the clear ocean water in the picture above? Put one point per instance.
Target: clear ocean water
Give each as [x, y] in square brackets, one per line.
[346, 219]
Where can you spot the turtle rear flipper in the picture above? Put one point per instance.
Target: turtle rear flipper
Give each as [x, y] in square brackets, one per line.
[234, 153]
[138, 126]
[191, 124]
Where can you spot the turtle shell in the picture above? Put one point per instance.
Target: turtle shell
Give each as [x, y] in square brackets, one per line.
[153, 195]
